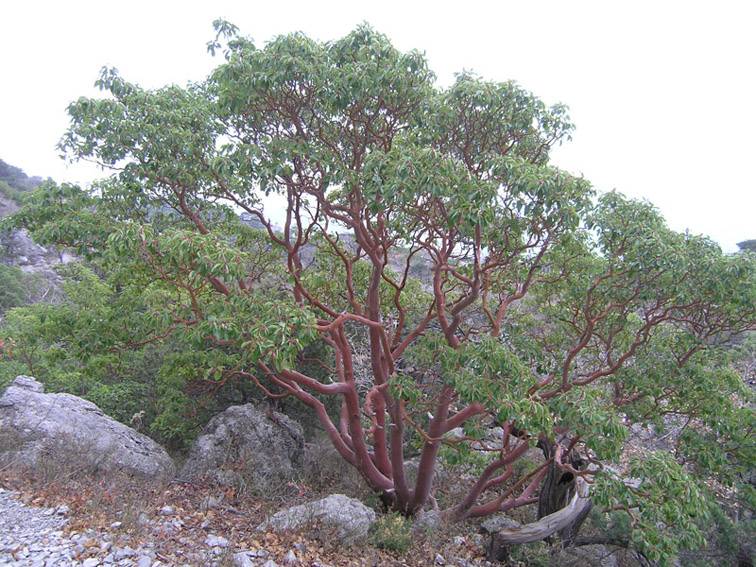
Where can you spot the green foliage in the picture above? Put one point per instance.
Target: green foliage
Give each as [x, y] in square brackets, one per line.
[663, 502]
[392, 532]
[14, 287]
[747, 246]
[433, 271]
[13, 181]
[70, 347]
[10, 193]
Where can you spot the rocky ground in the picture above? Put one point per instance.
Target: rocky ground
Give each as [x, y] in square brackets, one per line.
[82, 489]
[183, 525]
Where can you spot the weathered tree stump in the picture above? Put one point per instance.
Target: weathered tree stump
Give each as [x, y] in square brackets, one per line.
[543, 528]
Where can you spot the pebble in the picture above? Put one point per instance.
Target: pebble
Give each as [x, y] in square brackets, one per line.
[217, 541]
[35, 537]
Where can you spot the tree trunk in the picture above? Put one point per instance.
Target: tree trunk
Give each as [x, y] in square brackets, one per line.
[548, 525]
[558, 487]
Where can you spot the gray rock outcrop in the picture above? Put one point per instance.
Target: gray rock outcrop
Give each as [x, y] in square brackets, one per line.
[265, 448]
[72, 432]
[350, 518]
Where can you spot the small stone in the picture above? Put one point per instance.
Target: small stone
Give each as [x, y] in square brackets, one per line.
[116, 525]
[291, 558]
[123, 553]
[144, 561]
[167, 510]
[217, 541]
[91, 562]
[270, 563]
[62, 510]
[243, 559]
[211, 502]
[440, 559]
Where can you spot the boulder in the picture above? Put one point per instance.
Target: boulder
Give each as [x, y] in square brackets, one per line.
[350, 518]
[265, 447]
[73, 431]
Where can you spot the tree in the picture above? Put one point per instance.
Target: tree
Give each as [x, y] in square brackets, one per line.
[559, 317]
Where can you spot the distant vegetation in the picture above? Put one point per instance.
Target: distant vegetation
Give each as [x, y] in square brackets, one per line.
[13, 182]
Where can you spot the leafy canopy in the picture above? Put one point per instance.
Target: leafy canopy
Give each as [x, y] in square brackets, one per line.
[432, 272]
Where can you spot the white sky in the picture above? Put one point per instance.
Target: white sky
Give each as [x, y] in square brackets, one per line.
[663, 93]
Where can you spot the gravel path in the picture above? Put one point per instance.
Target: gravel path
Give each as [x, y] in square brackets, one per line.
[36, 537]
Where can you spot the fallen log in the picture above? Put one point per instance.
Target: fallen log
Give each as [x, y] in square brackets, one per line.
[543, 528]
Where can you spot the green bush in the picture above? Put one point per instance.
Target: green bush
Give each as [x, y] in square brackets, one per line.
[392, 532]
[13, 287]
[9, 192]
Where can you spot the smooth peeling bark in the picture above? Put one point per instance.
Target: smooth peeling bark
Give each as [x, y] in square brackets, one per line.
[429, 454]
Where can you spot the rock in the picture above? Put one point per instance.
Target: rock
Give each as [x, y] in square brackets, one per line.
[428, 520]
[350, 518]
[71, 430]
[217, 541]
[244, 559]
[498, 523]
[265, 446]
[28, 383]
[123, 553]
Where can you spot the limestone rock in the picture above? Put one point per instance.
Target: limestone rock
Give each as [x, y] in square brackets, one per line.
[266, 447]
[428, 520]
[349, 517]
[68, 429]
[497, 523]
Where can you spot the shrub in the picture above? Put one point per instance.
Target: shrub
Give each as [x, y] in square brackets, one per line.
[392, 532]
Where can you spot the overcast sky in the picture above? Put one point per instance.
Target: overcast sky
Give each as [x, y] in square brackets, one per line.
[663, 93]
